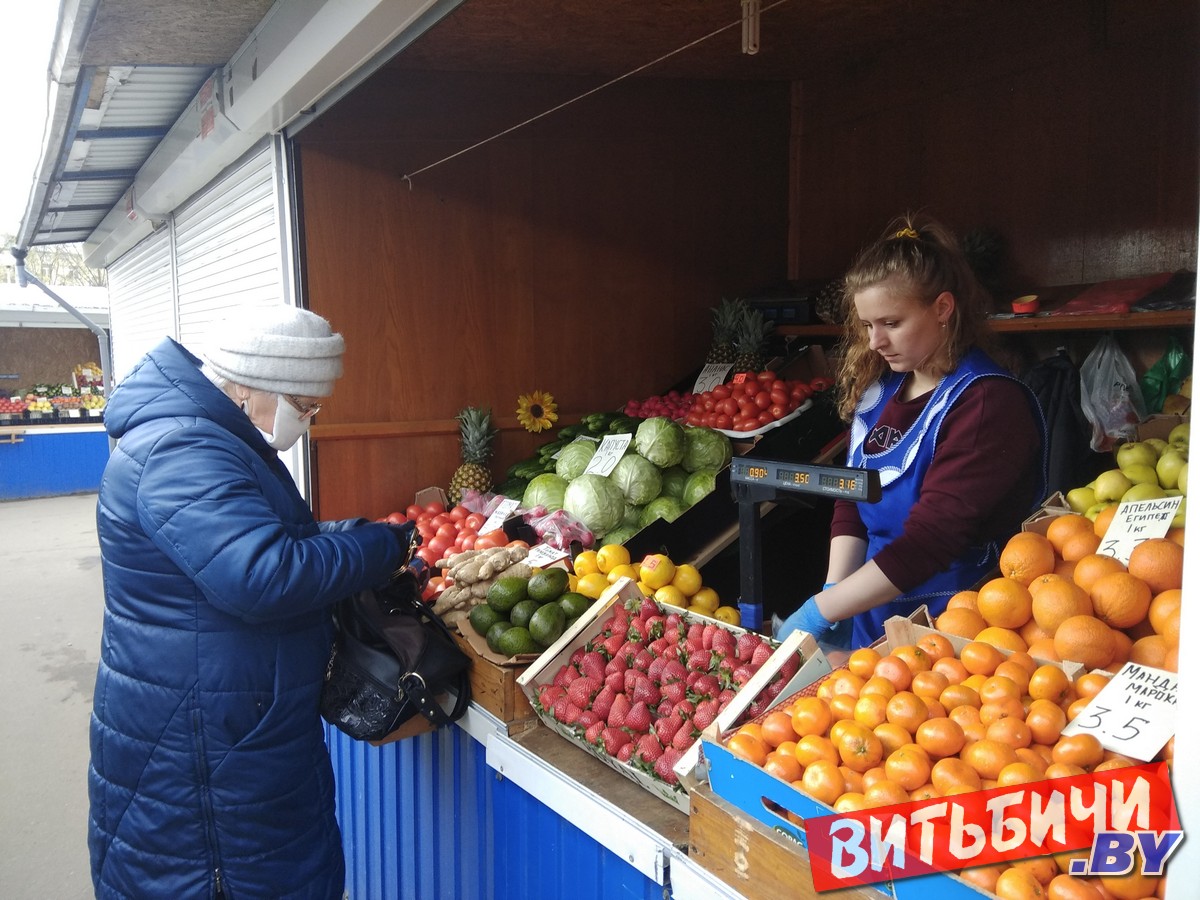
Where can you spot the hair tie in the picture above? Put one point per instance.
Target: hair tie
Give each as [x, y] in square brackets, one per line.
[907, 232]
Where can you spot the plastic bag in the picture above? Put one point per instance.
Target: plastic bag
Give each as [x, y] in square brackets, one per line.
[1110, 395]
[1165, 377]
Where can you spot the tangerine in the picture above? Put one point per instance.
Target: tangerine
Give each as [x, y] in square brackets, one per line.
[1026, 556]
[892, 736]
[1010, 730]
[748, 747]
[1149, 651]
[895, 670]
[1068, 887]
[1019, 772]
[1122, 647]
[929, 685]
[1049, 683]
[860, 749]
[907, 710]
[980, 658]
[988, 757]
[777, 729]
[1092, 683]
[1018, 884]
[936, 646]
[909, 767]
[952, 668]
[885, 793]
[823, 781]
[951, 773]
[914, 657]
[1043, 649]
[810, 715]
[983, 876]
[862, 662]
[785, 768]
[1081, 750]
[814, 747]
[877, 684]
[941, 737]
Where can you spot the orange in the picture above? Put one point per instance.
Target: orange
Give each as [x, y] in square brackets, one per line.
[1159, 563]
[748, 747]
[961, 622]
[940, 737]
[1085, 639]
[1122, 647]
[1176, 535]
[1057, 601]
[1171, 663]
[1065, 568]
[1003, 638]
[862, 662]
[950, 773]
[988, 757]
[1092, 683]
[1079, 546]
[810, 715]
[1062, 528]
[1120, 599]
[1163, 607]
[1081, 750]
[1026, 556]
[1006, 602]
[777, 729]
[1049, 683]
[1031, 632]
[964, 600]
[785, 768]
[823, 781]
[1019, 884]
[1091, 567]
[980, 658]
[1068, 887]
[1149, 651]
[1103, 520]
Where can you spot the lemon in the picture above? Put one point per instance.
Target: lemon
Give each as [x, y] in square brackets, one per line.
[622, 571]
[706, 600]
[687, 579]
[572, 582]
[657, 570]
[671, 595]
[586, 564]
[728, 614]
[592, 585]
[697, 610]
[610, 556]
[646, 590]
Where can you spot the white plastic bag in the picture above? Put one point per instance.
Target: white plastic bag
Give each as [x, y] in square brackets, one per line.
[1111, 397]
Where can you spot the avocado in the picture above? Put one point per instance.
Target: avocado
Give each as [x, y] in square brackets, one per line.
[548, 624]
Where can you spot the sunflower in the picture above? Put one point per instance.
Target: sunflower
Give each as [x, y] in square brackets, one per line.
[537, 411]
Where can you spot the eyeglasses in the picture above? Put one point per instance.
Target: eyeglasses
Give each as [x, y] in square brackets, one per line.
[306, 412]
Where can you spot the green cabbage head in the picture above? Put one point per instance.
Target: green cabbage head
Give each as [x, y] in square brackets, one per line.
[705, 448]
[596, 502]
[638, 478]
[545, 490]
[573, 459]
[661, 441]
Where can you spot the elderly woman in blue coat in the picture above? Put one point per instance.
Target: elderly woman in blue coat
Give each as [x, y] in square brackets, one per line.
[209, 775]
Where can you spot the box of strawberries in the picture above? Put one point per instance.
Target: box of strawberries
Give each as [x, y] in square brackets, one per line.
[633, 682]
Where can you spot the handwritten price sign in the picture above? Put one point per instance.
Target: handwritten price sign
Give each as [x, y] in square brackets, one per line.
[608, 454]
[542, 555]
[1135, 713]
[711, 375]
[502, 511]
[1137, 521]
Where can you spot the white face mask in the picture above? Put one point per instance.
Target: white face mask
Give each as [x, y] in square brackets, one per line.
[289, 427]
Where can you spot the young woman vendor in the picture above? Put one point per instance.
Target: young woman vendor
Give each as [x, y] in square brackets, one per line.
[957, 441]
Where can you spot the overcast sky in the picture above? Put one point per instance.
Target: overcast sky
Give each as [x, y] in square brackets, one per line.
[25, 39]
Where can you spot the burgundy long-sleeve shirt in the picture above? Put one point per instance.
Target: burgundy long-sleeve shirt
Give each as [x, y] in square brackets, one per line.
[979, 487]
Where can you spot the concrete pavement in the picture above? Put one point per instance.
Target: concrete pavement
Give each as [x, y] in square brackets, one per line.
[52, 604]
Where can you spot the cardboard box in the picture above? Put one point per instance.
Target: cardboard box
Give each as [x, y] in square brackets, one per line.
[480, 649]
[589, 625]
[1159, 426]
[494, 687]
[1054, 506]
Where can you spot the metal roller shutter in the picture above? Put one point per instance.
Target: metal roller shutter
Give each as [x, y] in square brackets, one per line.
[141, 306]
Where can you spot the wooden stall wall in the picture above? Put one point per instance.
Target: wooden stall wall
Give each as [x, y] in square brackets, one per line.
[579, 255]
[1073, 133]
[43, 356]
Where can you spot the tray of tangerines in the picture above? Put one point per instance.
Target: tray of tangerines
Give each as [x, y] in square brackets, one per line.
[921, 714]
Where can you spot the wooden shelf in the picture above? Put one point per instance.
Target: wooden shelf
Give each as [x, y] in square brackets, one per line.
[1175, 318]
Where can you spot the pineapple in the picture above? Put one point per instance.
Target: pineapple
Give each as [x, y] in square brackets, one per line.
[751, 342]
[828, 302]
[476, 433]
[725, 319]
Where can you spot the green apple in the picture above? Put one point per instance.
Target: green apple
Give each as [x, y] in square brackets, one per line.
[1168, 467]
[1158, 444]
[1111, 485]
[1182, 484]
[1180, 514]
[1135, 453]
[1180, 433]
[1141, 473]
[1080, 498]
[1095, 509]
[1144, 491]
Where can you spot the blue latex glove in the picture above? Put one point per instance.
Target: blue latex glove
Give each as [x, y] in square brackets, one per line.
[806, 618]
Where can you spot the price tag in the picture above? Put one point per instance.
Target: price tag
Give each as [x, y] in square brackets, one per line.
[542, 555]
[710, 376]
[583, 437]
[502, 511]
[1135, 713]
[608, 454]
[1137, 521]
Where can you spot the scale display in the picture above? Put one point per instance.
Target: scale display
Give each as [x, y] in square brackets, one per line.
[830, 481]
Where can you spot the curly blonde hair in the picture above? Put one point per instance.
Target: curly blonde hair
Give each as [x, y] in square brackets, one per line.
[926, 255]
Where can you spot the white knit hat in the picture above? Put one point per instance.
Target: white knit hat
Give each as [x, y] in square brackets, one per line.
[277, 348]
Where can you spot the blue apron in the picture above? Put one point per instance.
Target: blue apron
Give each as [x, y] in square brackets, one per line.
[902, 469]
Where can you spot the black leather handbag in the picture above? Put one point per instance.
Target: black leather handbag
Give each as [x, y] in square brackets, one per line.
[392, 658]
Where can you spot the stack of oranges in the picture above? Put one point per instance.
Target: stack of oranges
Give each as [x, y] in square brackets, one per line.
[921, 721]
[1059, 599]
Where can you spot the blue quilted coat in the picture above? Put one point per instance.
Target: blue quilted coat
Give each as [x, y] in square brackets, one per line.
[208, 766]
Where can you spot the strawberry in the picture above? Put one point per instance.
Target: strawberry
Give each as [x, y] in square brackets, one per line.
[725, 696]
[724, 643]
[673, 651]
[593, 732]
[674, 691]
[664, 766]
[618, 711]
[560, 709]
[638, 718]
[742, 674]
[648, 609]
[674, 670]
[658, 646]
[684, 737]
[706, 711]
[612, 645]
[632, 677]
[629, 650]
[706, 686]
[695, 636]
[684, 709]
[745, 645]
[616, 664]
[672, 622]
[625, 754]
[603, 702]
[757, 708]
[643, 659]
[761, 654]
[567, 712]
[646, 691]
[700, 661]
[548, 695]
[613, 739]
[790, 667]
[672, 636]
[648, 748]
[654, 670]
[665, 728]
[710, 632]
[635, 635]
[560, 677]
[592, 665]
[654, 627]
[615, 681]
[576, 657]
[582, 690]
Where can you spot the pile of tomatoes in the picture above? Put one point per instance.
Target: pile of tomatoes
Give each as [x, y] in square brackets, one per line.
[445, 532]
[749, 401]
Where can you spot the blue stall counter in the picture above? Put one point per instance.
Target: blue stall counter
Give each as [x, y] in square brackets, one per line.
[51, 460]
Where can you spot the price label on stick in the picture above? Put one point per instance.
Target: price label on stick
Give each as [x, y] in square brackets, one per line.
[1135, 713]
[542, 555]
[710, 376]
[1136, 521]
[502, 511]
[608, 454]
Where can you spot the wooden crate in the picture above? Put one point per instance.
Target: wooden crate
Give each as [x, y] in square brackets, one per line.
[751, 858]
[494, 687]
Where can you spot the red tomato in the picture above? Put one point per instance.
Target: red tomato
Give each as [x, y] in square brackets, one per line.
[721, 392]
[435, 508]
[777, 411]
[424, 519]
[474, 521]
[766, 377]
[448, 530]
[487, 542]
[458, 542]
[724, 422]
[709, 404]
[396, 518]
[762, 399]
[518, 544]
[746, 405]
[413, 511]
[737, 390]
[427, 533]
[820, 384]
[694, 418]
[710, 420]
[438, 546]
[727, 407]
[468, 540]
[800, 391]
[779, 394]
[765, 418]
[459, 513]
[429, 557]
